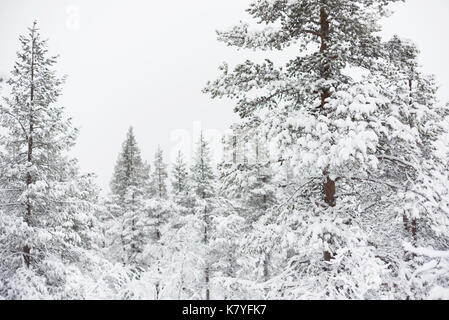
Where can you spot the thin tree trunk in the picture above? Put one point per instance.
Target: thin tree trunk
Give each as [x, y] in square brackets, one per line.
[414, 220]
[324, 68]
[206, 241]
[158, 236]
[266, 266]
[410, 227]
[29, 180]
[206, 274]
[206, 270]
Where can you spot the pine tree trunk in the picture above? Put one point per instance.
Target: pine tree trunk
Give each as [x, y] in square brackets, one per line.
[414, 220]
[267, 258]
[329, 192]
[206, 274]
[410, 227]
[206, 241]
[266, 266]
[329, 184]
[29, 180]
[324, 68]
[158, 237]
[414, 231]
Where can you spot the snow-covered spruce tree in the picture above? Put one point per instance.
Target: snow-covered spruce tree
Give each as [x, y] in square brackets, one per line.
[333, 128]
[246, 173]
[409, 169]
[247, 179]
[203, 191]
[232, 268]
[180, 180]
[427, 272]
[129, 169]
[175, 273]
[127, 204]
[186, 241]
[159, 176]
[159, 192]
[159, 209]
[47, 220]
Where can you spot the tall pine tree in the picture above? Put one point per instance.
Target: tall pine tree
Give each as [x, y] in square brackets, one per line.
[337, 131]
[203, 190]
[128, 202]
[48, 206]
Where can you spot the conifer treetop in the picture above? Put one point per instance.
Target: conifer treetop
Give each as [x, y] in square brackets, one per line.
[129, 169]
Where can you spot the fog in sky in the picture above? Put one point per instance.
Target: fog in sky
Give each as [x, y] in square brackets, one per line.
[143, 63]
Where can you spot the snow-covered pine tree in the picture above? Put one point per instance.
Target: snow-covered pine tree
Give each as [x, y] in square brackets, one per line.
[247, 179]
[332, 127]
[342, 34]
[127, 204]
[129, 168]
[180, 176]
[186, 244]
[408, 162]
[159, 210]
[203, 188]
[246, 172]
[47, 216]
[173, 271]
[159, 176]
[156, 207]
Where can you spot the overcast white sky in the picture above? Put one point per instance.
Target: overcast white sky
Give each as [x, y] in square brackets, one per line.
[144, 63]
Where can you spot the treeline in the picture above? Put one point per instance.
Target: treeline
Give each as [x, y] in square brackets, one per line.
[181, 238]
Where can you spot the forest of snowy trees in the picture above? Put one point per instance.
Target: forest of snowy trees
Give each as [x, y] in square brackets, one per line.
[331, 186]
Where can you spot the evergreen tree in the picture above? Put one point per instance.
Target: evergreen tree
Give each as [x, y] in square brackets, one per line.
[48, 219]
[159, 176]
[128, 202]
[179, 176]
[407, 158]
[129, 169]
[247, 178]
[159, 209]
[336, 130]
[203, 190]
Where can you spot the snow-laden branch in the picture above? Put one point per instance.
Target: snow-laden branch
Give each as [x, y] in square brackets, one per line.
[426, 251]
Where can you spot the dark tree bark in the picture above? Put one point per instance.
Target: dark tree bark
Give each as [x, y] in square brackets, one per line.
[324, 68]
[329, 184]
[329, 192]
